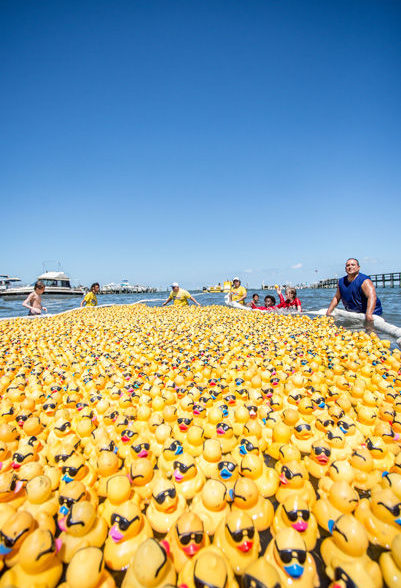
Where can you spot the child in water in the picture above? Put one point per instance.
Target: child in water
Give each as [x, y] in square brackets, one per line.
[90, 298]
[255, 301]
[34, 300]
[291, 300]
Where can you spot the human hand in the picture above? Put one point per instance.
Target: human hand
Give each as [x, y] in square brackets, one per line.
[44, 308]
[369, 317]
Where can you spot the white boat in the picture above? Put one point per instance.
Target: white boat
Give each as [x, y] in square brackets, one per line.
[56, 284]
[6, 282]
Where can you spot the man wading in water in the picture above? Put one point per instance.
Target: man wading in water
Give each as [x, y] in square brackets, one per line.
[357, 292]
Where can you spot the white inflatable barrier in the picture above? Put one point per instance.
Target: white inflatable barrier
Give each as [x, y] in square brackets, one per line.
[355, 319]
[358, 319]
[47, 314]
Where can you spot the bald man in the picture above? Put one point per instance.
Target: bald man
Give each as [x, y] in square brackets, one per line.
[357, 292]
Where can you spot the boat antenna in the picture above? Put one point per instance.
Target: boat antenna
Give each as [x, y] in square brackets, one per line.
[53, 263]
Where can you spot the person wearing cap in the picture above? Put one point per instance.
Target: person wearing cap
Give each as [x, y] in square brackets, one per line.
[237, 293]
[179, 296]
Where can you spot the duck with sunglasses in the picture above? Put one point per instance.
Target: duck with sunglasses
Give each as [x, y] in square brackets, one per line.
[381, 516]
[238, 539]
[295, 513]
[349, 544]
[318, 461]
[187, 476]
[288, 554]
[129, 528]
[186, 538]
[166, 505]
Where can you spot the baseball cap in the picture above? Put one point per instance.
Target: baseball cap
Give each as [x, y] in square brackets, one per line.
[174, 285]
[236, 278]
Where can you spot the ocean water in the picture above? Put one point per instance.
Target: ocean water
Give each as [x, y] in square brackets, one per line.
[311, 299]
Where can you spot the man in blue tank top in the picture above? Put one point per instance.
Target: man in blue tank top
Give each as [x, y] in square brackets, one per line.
[357, 292]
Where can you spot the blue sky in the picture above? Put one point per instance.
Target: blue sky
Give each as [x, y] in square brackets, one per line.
[194, 140]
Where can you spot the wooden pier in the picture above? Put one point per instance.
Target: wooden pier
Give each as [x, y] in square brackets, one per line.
[392, 280]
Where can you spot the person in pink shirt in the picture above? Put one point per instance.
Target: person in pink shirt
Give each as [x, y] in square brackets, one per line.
[290, 300]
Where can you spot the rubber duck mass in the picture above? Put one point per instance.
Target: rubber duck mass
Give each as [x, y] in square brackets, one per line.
[149, 447]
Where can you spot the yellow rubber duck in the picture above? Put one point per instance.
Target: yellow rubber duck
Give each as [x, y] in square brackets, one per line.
[246, 498]
[129, 528]
[383, 458]
[12, 491]
[151, 567]
[188, 478]
[238, 539]
[13, 532]
[288, 555]
[349, 543]
[266, 479]
[161, 434]
[140, 448]
[186, 538]
[142, 477]
[287, 452]
[225, 434]
[172, 448]
[338, 470]
[87, 570]
[261, 573]
[38, 565]
[365, 476]
[209, 567]
[303, 436]
[391, 480]
[295, 513]
[193, 441]
[348, 573]
[390, 563]
[294, 482]
[118, 492]
[81, 528]
[41, 502]
[211, 505]
[318, 461]
[166, 505]
[341, 499]
[108, 465]
[281, 435]
[75, 469]
[381, 516]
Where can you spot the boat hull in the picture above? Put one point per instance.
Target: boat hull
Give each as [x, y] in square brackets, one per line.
[21, 293]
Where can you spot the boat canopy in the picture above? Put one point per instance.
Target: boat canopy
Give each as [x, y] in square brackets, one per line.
[55, 279]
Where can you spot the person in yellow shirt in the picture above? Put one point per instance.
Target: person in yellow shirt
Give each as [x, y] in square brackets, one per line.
[90, 298]
[237, 293]
[179, 296]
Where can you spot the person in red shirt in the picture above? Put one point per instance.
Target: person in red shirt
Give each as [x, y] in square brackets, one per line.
[290, 301]
[270, 303]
